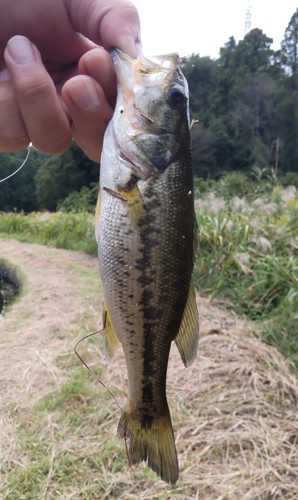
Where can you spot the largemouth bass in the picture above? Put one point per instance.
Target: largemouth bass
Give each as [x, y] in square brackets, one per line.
[147, 246]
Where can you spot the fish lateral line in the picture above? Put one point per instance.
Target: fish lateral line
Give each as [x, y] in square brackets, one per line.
[89, 369]
[116, 194]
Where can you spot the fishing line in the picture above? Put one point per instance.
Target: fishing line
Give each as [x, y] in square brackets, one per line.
[18, 169]
[89, 369]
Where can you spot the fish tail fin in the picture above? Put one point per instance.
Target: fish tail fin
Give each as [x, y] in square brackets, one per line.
[151, 440]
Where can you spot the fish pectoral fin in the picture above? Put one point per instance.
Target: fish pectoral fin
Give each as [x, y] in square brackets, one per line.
[135, 206]
[97, 215]
[110, 339]
[187, 339]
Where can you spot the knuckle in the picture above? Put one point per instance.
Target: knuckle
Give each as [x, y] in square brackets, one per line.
[14, 145]
[53, 143]
[36, 90]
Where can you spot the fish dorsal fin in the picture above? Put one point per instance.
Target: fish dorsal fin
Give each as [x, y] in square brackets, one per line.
[135, 206]
[188, 336]
[110, 339]
[97, 215]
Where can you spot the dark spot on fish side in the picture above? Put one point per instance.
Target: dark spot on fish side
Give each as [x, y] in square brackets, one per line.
[132, 181]
[145, 280]
[147, 421]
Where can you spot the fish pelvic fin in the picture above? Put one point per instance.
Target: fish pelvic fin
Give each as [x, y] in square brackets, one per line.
[110, 339]
[151, 441]
[187, 339]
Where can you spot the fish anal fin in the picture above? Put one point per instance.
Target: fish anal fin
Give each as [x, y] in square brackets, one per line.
[135, 206]
[152, 442]
[187, 338]
[110, 339]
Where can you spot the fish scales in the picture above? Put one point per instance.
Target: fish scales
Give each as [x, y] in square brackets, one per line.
[146, 240]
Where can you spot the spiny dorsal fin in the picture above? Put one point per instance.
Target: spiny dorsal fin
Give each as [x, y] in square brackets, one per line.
[188, 336]
[110, 339]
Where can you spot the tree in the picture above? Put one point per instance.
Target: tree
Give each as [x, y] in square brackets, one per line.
[62, 174]
[287, 97]
[18, 192]
[253, 121]
[289, 47]
[201, 74]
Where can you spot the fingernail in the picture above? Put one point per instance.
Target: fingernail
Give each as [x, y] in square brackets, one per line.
[86, 96]
[21, 49]
[5, 76]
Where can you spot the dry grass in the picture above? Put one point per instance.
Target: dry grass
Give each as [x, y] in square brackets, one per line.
[234, 413]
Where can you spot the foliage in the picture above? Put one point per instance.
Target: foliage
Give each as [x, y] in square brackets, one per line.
[18, 192]
[246, 103]
[69, 231]
[62, 174]
[289, 46]
[248, 257]
[83, 201]
[248, 246]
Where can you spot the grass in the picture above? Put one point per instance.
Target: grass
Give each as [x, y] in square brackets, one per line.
[61, 230]
[248, 259]
[234, 413]
[247, 255]
[235, 431]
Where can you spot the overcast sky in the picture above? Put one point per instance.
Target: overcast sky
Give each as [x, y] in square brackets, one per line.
[203, 26]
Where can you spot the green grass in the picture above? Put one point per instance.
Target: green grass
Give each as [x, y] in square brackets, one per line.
[61, 230]
[248, 258]
[53, 438]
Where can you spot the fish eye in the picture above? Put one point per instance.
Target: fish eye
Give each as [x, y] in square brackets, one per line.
[176, 96]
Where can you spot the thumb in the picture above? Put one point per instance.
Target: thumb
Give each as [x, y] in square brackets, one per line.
[110, 23]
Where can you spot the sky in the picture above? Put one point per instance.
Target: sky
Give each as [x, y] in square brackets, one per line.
[203, 26]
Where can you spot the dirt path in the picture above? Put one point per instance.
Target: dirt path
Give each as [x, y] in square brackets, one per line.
[33, 332]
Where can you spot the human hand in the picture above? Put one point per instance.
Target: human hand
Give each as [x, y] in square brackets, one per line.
[60, 85]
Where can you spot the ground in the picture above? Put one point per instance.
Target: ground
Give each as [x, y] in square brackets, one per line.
[234, 410]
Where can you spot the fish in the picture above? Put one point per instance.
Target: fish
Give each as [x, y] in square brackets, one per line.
[147, 239]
